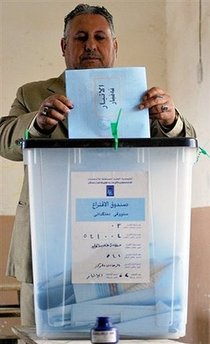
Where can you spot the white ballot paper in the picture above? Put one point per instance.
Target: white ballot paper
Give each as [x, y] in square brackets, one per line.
[107, 98]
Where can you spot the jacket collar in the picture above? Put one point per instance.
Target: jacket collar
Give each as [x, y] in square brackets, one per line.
[58, 85]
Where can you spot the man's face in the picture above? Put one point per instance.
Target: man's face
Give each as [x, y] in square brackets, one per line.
[89, 43]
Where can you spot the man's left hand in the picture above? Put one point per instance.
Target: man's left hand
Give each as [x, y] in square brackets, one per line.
[160, 105]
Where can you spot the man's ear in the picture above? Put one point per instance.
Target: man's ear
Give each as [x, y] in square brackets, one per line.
[63, 45]
[116, 46]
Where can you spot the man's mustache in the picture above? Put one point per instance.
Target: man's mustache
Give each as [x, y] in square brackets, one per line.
[89, 55]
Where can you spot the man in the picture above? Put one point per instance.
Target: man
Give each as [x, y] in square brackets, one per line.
[41, 108]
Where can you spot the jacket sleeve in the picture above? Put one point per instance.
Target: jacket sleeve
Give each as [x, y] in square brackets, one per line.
[13, 127]
[182, 128]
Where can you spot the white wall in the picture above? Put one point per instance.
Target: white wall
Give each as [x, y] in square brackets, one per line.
[191, 96]
[31, 51]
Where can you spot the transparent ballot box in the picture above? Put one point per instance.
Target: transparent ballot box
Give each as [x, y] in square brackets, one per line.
[110, 230]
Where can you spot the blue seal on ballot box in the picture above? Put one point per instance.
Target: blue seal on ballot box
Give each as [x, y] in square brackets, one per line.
[104, 332]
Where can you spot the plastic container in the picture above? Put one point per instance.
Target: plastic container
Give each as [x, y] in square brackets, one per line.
[110, 235]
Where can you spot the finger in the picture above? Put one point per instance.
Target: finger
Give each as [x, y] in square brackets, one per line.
[58, 106]
[45, 121]
[153, 92]
[49, 117]
[62, 99]
[165, 117]
[53, 110]
[154, 96]
[58, 102]
[159, 109]
[156, 100]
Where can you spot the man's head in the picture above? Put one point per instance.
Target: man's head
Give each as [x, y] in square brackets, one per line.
[89, 40]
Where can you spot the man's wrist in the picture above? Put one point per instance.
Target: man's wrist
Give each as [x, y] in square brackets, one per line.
[177, 129]
[43, 131]
[169, 127]
[35, 131]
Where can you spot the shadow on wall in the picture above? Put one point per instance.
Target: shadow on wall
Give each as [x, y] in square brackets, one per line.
[198, 322]
[202, 325]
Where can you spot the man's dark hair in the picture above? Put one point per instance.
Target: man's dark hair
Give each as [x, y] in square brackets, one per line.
[87, 9]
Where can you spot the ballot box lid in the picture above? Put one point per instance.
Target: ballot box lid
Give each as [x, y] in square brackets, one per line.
[110, 143]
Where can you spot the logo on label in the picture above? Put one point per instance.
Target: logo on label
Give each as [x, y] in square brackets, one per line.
[109, 190]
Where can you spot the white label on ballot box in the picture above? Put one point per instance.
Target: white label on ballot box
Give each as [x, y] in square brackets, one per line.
[109, 221]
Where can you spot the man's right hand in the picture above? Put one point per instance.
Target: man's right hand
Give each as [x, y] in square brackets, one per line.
[53, 110]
